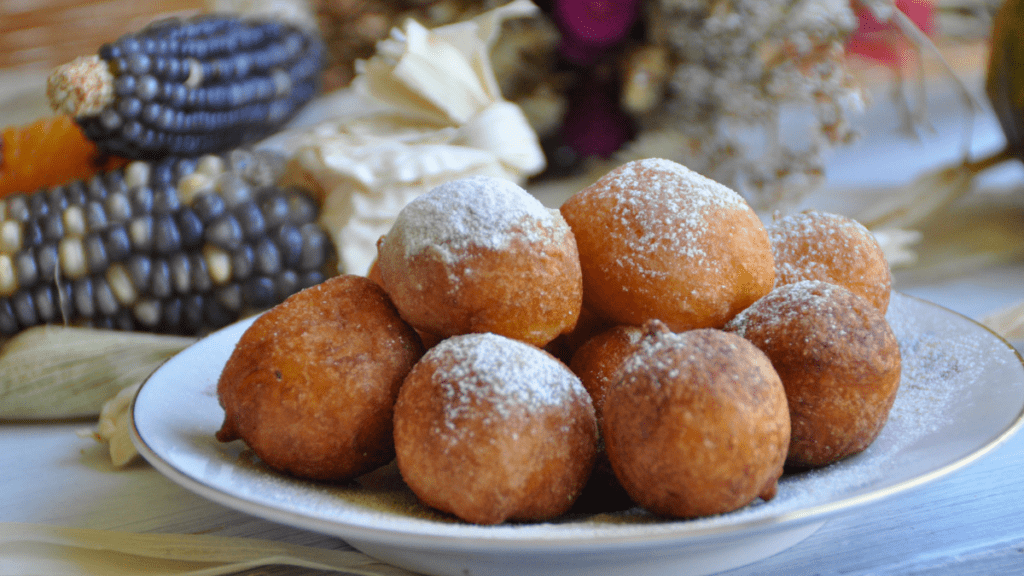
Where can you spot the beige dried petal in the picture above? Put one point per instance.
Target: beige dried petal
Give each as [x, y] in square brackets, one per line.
[1008, 322]
[503, 130]
[424, 77]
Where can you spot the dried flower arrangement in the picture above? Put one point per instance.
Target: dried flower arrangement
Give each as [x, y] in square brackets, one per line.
[702, 82]
[687, 80]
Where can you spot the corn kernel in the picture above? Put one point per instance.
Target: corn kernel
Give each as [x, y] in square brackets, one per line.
[121, 284]
[72, 258]
[74, 221]
[10, 236]
[8, 276]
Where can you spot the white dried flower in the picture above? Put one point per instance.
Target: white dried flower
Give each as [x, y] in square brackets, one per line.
[739, 63]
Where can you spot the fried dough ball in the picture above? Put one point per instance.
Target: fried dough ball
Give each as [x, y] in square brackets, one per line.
[564, 347]
[697, 424]
[832, 248]
[599, 360]
[373, 273]
[481, 254]
[428, 339]
[491, 429]
[311, 385]
[598, 363]
[839, 362]
[659, 241]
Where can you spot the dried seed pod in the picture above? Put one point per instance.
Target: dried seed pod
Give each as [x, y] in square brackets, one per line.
[128, 250]
[1004, 82]
[190, 87]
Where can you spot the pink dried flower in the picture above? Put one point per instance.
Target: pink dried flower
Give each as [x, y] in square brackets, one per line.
[883, 41]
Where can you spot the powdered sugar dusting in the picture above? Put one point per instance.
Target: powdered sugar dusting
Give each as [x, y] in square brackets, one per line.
[660, 206]
[478, 211]
[785, 304]
[654, 352]
[510, 376]
[814, 245]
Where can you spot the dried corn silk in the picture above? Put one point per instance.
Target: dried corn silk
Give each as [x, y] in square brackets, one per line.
[48, 152]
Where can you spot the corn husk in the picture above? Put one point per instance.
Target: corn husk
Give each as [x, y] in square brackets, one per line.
[898, 245]
[916, 203]
[1008, 322]
[980, 232]
[114, 427]
[70, 372]
[60, 551]
[1004, 83]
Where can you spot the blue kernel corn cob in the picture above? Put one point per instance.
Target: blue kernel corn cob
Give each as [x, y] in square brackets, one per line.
[174, 246]
[205, 85]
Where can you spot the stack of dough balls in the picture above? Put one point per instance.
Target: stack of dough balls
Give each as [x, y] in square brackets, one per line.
[488, 426]
[659, 242]
[707, 350]
[824, 328]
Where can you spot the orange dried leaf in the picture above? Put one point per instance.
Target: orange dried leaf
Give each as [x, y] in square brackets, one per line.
[48, 152]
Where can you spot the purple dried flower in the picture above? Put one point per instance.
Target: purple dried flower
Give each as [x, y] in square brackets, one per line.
[589, 27]
[594, 124]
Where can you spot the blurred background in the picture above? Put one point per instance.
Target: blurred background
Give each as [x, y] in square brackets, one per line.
[871, 108]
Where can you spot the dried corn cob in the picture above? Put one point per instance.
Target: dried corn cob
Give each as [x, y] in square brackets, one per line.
[174, 246]
[190, 87]
[48, 152]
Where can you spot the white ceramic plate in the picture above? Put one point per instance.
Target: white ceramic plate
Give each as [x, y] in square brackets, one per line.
[961, 395]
